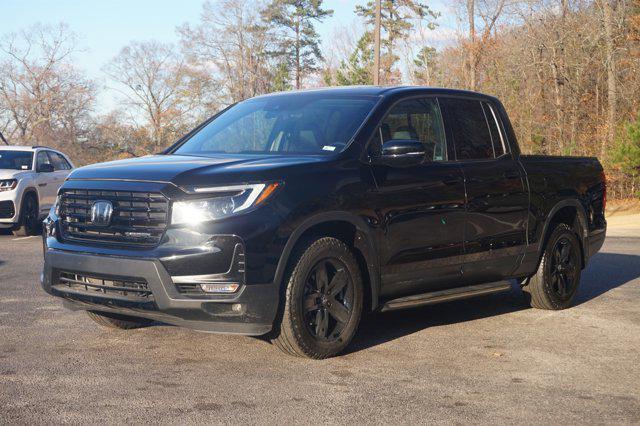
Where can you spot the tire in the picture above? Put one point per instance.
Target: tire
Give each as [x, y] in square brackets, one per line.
[555, 284]
[121, 322]
[28, 219]
[322, 302]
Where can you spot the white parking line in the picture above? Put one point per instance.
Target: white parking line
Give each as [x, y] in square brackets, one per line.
[25, 238]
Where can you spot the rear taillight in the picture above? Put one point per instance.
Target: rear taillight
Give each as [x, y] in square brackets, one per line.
[603, 177]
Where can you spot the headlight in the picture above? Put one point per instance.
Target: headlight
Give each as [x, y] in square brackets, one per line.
[8, 184]
[55, 208]
[225, 201]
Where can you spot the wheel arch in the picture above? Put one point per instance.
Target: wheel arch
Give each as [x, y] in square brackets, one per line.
[27, 192]
[348, 228]
[572, 213]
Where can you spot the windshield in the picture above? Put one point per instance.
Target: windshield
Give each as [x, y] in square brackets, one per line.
[287, 124]
[16, 160]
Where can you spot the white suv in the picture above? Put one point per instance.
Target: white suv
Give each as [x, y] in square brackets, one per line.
[30, 177]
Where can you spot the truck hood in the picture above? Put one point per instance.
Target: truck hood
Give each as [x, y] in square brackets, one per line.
[190, 170]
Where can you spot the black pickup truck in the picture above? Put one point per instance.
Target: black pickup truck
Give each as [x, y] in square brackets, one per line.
[290, 215]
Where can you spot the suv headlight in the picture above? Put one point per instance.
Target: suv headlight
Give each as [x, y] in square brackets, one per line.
[8, 184]
[225, 201]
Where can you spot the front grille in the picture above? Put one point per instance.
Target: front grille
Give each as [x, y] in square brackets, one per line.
[130, 288]
[7, 210]
[138, 219]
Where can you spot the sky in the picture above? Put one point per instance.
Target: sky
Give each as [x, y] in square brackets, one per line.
[105, 26]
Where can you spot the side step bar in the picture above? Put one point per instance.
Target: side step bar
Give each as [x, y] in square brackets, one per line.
[446, 295]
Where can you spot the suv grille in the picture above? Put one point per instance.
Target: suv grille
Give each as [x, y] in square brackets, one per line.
[7, 210]
[138, 219]
[131, 288]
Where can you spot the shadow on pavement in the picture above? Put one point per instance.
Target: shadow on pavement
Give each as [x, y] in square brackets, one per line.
[605, 272]
[384, 327]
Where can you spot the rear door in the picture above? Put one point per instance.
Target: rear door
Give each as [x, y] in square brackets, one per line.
[420, 207]
[497, 200]
[61, 167]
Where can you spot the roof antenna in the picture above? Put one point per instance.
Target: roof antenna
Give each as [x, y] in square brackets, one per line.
[3, 139]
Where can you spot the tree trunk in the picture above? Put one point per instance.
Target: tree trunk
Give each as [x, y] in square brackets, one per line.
[472, 44]
[612, 90]
[297, 49]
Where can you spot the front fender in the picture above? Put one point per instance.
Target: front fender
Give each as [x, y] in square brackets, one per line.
[363, 241]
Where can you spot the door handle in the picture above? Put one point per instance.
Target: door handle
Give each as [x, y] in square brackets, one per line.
[42, 184]
[511, 174]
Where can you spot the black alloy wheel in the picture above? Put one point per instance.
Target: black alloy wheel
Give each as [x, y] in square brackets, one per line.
[555, 283]
[328, 299]
[322, 302]
[28, 218]
[564, 267]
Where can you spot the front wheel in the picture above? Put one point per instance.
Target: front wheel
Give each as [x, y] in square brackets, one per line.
[28, 218]
[323, 301]
[555, 284]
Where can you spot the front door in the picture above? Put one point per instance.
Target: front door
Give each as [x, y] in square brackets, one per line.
[46, 181]
[420, 208]
[497, 199]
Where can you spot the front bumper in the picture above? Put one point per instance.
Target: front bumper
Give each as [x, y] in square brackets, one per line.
[9, 208]
[250, 311]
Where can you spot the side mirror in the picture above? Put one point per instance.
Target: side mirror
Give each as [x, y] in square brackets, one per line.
[45, 168]
[402, 152]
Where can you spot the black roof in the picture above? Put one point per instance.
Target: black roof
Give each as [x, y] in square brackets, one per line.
[379, 91]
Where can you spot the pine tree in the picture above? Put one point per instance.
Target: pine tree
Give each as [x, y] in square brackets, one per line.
[300, 41]
[626, 154]
[424, 62]
[281, 79]
[358, 68]
[397, 19]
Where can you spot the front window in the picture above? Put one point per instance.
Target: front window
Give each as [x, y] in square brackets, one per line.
[414, 119]
[285, 124]
[16, 160]
[41, 160]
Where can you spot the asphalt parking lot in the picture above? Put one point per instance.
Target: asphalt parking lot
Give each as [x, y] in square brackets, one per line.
[488, 360]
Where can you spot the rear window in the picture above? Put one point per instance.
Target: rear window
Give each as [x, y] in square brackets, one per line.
[59, 162]
[471, 134]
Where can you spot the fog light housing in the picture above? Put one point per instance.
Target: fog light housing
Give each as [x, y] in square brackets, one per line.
[225, 288]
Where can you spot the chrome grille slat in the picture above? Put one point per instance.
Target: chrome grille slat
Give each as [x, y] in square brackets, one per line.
[139, 218]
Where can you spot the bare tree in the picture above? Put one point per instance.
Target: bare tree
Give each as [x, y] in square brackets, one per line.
[489, 11]
[608, 8]
[155, 81]
[233, 47]
[43, 98]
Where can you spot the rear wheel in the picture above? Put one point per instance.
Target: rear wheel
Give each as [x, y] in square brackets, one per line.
[555, 284]
[28, 218]
[323, 301]
[121, 322]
